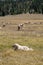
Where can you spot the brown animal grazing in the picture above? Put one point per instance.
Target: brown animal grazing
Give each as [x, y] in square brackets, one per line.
[3, 25]
[20, 26]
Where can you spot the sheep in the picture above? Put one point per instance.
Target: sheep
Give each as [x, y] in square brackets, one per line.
[19, 47]
[20, 26]
[4, 24]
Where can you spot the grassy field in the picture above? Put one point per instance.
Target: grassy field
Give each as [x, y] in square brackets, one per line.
[30, 35]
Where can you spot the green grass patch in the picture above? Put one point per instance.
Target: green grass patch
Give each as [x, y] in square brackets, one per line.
[10, 57]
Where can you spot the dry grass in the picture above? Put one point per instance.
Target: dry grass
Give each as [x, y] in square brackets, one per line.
[9, 35]
[10, 57]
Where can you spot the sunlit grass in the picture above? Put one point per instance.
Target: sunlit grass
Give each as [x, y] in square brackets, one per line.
[35, 42]
[8, 56]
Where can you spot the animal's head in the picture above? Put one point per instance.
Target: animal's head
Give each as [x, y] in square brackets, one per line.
[15, 47]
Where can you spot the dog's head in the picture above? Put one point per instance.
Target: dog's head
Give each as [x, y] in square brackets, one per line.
[15, 47]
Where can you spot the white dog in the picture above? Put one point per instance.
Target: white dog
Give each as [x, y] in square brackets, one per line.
[19, 47]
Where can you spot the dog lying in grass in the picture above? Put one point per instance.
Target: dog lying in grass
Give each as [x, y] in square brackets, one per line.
[19, 47]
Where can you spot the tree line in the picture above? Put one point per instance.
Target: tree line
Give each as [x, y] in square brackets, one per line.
[13, 7]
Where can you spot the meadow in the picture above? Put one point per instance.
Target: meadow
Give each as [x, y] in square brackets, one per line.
[30, 35]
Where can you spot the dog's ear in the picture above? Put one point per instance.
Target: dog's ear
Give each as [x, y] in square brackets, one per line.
[15, 47]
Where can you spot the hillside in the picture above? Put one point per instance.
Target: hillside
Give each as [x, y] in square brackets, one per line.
[31, 35]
